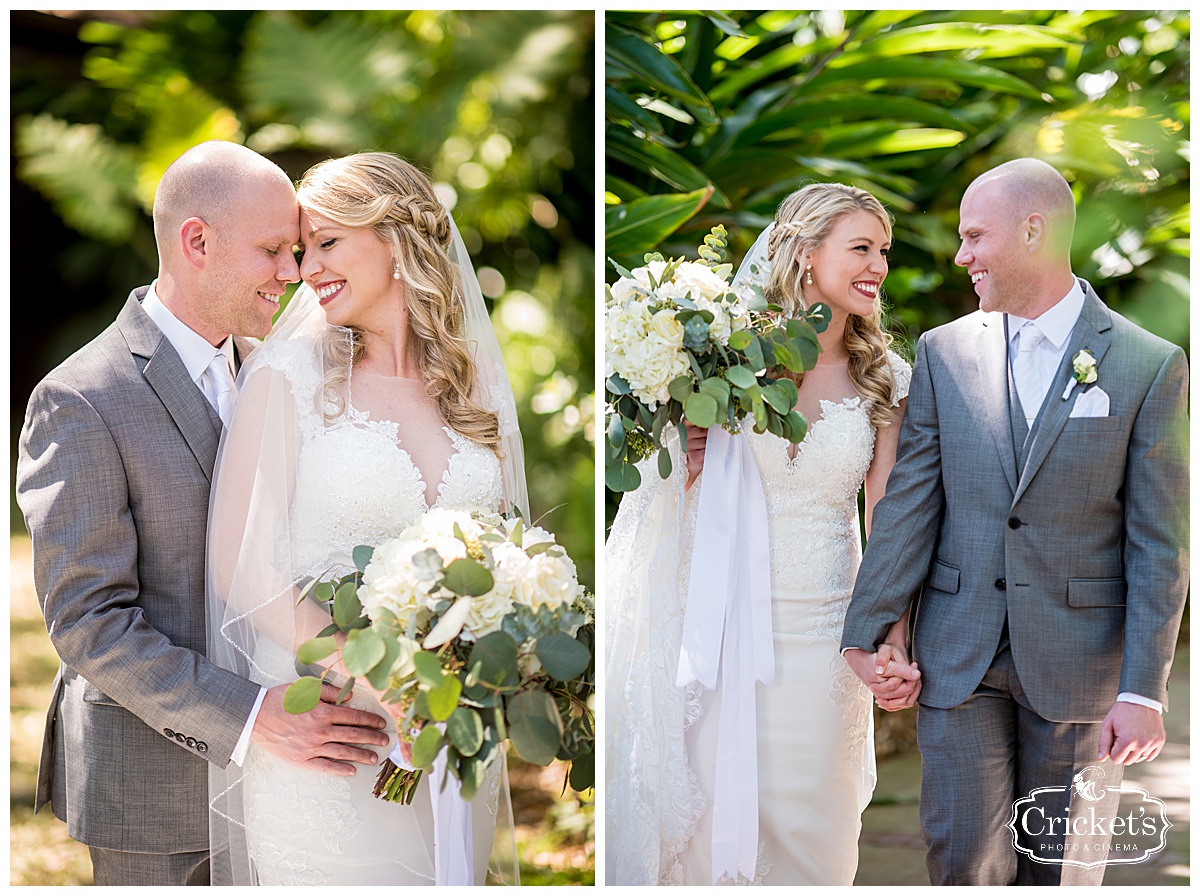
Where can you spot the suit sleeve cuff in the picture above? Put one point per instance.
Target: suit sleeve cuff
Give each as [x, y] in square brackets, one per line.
[1127, 697]
[243, 745]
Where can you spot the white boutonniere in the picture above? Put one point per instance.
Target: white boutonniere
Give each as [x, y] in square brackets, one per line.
[1084, 371]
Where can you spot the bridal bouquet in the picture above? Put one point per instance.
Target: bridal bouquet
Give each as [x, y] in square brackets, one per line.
[679, 344]
[476, 626]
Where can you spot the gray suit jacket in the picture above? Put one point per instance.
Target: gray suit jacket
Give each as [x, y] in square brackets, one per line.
[1083, 551]
[116, 458]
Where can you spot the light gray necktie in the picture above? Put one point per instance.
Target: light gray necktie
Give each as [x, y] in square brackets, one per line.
[1027, 370]
[221, 383]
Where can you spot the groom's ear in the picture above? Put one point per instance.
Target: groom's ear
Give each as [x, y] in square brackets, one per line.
[1033, 232]
[193, 241]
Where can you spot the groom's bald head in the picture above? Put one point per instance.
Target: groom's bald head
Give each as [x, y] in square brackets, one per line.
[1024, 187]
[226, 221]
[211, 181]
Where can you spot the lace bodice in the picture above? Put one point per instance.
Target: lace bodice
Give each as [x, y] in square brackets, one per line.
[812, 502]
[356, 481]
[356, 484]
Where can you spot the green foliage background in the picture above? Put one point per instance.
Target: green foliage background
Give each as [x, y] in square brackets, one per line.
[496, 106]
[716, 117]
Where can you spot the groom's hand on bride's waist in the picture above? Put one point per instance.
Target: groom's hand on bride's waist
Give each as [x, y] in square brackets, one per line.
[329, 738]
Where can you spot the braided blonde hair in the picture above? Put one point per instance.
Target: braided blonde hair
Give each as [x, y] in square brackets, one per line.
[802, 224]
[396, 201]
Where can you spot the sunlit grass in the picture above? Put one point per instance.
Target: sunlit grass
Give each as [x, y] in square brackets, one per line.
[555, 834]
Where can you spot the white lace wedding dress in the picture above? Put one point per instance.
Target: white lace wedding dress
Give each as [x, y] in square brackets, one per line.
[358, 480]
[816, 766]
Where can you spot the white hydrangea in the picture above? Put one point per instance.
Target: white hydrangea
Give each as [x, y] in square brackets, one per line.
[645, 349]
[391, 582]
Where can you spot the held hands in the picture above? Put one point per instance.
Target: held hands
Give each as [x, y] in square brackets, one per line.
[323, 739]
[1131, 733]
[894, 681]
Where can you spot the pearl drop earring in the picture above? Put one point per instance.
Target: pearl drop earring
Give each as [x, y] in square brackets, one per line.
[396, 273]
[808, 275]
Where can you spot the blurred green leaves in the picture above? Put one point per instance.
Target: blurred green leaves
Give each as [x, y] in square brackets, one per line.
[498, 107]
[911, 105]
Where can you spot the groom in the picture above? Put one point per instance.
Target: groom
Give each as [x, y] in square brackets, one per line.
[1037, 519]
[116, 458]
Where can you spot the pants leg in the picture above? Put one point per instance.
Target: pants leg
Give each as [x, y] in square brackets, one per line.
[114, 867]
[968, 773]
[1051, 754]
[978, 758]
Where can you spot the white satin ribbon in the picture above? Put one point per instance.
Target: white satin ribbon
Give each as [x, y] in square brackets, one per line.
[453, 837]
[727, 630]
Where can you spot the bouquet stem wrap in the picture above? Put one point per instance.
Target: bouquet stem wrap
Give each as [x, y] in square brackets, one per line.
[727, 643]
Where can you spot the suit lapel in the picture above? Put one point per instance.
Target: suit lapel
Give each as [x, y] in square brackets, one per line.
[1091, 333]
[166, 375]
[992, 358]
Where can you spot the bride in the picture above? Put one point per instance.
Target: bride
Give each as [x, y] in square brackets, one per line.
[380, 393]
[812, 729]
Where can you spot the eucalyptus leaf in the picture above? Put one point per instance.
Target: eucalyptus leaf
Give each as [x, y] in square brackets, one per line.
[583, 772]
[314, 650]
[346, 607]
[496, 655]
[381, 674]
[741, 376]
[680, 387]
[464, 729]
[302, 695]
[443, 699]
[426, 746]
[701, 409]
[562, 656]
[534, 726]
[364, 649]
[616, 430]
[467, 577]
[739, 339]
[428, 668]
[664, 463]
[622, 477]
[362, 556]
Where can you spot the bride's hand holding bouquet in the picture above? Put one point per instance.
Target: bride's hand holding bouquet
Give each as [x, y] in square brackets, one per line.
[683, 344]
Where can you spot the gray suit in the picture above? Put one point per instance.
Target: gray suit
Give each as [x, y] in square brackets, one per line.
[1050, 570]
[116, 459]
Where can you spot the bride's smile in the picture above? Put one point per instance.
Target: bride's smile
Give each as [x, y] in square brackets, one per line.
[350, 270]
[849, 267]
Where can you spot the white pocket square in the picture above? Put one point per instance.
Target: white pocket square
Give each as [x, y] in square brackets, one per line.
[1092, 403]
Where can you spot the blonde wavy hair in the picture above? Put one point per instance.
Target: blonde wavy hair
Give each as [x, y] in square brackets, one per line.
[383, 192]
[802, 225]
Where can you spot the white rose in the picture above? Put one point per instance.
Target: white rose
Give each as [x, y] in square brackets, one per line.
[547, 580]
[700, 281]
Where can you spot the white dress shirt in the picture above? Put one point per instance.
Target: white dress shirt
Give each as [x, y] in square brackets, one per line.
[196, 352]
[1056, 325]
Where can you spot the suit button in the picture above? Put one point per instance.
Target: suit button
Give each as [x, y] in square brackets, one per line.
[168, 732]
[1001, 584]
[190, 742]
[201, 747]
[179, 737]
[1014, 523]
